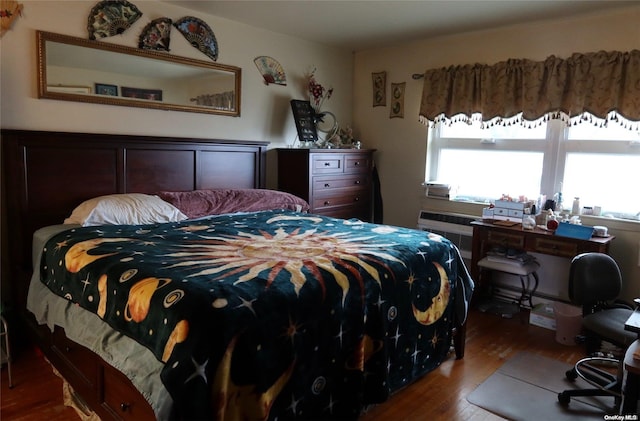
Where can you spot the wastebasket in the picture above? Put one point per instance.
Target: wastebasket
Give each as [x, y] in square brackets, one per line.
[568, 322]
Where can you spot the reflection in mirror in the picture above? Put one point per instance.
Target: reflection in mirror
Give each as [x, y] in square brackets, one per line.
[76, 69]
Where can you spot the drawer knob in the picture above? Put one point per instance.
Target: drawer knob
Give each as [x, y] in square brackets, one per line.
[357, 163]
[327, 185]
[326, 202]
[124, 406]
[356, 199]
[326, 164]
[357, 182]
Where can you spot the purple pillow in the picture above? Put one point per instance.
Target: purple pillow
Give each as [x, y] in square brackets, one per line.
[199, 203]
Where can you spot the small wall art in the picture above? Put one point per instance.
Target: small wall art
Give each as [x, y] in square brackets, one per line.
[199, 35]
[111, 17]
[397, 100]
[271, 70]
[156, 35]
[104, 89]
[379, 81]
[149, 94]
[9, 10]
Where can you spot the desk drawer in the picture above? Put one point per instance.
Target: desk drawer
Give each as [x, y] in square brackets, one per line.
[555, 247]
[505, 239]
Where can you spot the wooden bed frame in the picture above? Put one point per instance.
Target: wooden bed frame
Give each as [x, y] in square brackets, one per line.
[46, 174]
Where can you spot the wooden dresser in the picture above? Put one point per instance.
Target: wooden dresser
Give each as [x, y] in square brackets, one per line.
[335, 182]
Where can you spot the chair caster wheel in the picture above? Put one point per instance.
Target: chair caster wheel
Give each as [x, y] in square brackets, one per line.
[564, 398]
[571, 375]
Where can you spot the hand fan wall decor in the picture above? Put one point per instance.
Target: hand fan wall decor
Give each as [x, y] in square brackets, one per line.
[111, 17]
[156, 35]
[271, 70]
[199, 34]
[9, 10]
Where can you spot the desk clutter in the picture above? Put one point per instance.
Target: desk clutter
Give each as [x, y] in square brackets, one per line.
[509, 212]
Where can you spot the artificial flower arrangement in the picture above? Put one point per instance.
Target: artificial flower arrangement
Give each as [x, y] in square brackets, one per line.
[344, 138]
[317, 93]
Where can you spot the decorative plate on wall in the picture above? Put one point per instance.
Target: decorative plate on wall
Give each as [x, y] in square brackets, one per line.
[111, 17]
[199, 34]
[156, 35]
[271, 70]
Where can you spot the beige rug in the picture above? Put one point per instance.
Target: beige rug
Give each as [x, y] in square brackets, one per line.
[526, 387]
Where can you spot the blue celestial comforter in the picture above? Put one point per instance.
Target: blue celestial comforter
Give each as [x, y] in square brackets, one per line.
[270, 315]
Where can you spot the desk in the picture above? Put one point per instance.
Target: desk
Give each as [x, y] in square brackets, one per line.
[487, 235]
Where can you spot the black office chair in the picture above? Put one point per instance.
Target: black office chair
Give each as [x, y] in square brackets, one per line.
[595, 283]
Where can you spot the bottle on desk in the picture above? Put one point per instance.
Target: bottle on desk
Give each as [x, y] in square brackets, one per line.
[575, 209]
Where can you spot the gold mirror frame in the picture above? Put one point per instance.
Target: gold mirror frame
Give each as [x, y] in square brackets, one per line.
[83, 91]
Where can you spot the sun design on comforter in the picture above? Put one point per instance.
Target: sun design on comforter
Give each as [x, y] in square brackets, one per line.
[247, 255]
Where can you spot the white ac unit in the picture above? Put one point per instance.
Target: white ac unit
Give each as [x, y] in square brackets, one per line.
[456, 228]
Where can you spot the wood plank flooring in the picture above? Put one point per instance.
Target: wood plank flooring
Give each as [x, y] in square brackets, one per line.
[37, 392]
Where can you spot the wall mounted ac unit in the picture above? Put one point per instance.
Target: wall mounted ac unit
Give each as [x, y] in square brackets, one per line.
[456, 228]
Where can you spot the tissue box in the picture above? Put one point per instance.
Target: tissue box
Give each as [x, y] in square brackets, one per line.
[542, 315]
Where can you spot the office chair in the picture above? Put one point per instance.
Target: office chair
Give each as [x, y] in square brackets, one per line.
[595, 283]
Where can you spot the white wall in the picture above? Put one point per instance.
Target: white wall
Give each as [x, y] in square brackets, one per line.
[265, 110]
[401, 143]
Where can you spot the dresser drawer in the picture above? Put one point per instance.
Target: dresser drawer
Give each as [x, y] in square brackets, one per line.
[556, 247]
[118, 399]
[324, 184]
[348, 212]
[350, 199]
[327, 164]
[505, 239]
[79, 359]
[357, 163]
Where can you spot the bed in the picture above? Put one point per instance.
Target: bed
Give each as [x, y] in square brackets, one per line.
[249, 313]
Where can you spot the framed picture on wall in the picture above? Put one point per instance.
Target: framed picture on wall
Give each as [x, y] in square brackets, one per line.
[379, 81]
[104, 89]
[304, 117]
[150, 94]
[397, 100]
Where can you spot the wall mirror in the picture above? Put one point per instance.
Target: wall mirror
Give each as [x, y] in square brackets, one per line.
[76, 69]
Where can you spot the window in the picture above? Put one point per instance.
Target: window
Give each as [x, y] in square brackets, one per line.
[601, 166]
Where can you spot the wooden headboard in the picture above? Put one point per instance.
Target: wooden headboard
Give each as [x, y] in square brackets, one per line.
[47, 174]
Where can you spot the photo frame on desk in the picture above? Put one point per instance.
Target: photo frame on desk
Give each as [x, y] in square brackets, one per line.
[304, 116]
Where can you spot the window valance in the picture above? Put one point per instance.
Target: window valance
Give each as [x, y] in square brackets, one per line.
[597, 87]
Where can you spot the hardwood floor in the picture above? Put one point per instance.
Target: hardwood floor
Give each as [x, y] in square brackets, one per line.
[491, 340]
[36, 392]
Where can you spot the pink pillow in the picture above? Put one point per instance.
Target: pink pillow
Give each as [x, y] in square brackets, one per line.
[199, 203]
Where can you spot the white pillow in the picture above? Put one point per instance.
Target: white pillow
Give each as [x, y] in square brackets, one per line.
[124, 209]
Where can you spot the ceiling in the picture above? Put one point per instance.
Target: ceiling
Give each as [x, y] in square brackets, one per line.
[364, 24]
